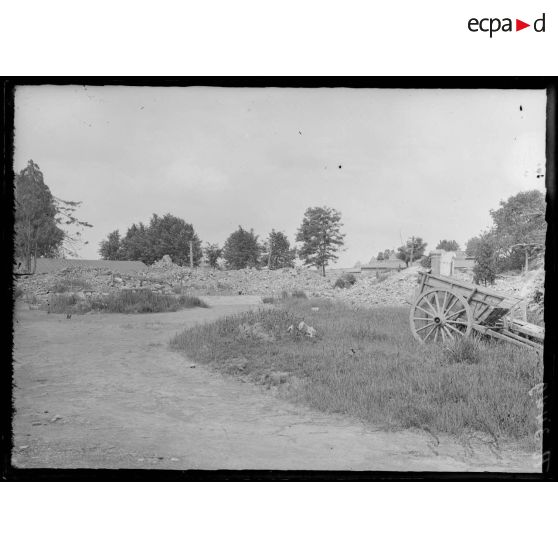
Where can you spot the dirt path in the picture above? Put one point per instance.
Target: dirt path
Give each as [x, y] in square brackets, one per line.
[104, 390]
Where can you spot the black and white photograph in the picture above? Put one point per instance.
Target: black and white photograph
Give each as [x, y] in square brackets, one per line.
[214, 278]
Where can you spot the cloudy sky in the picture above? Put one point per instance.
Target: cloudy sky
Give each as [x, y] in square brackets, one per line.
[396, 163]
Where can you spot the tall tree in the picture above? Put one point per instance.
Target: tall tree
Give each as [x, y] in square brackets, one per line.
[40, 219]
[448, 245]
[519, 224]
[110, 249]
[173, 236]
[242, 249]
[136, 245]
[412, 250]
[321, 236]
[278, 251]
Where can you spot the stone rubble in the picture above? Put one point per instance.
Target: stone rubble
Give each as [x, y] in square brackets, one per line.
[392, 289]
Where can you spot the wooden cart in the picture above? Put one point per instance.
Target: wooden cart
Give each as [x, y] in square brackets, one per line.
[446, 309]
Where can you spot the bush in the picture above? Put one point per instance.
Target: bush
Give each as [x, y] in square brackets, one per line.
[298, 294]
[485, 262]
[268, 300]
[345, 281]
[426, 262]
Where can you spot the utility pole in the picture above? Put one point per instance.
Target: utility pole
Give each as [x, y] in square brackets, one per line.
[191, 254]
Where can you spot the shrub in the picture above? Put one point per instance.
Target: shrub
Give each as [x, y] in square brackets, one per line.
[426, 261]
[298, 294]
[345, 281]
[268, 300]
[485, 262]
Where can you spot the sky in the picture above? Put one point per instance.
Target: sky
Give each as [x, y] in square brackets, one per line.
[394, 162]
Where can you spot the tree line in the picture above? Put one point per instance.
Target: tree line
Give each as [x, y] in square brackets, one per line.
[319, 234]
[46, 226]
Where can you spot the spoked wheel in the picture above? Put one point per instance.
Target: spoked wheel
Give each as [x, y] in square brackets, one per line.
[440, 316]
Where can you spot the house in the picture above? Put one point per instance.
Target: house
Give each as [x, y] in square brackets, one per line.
[391, 264]
[445, 263]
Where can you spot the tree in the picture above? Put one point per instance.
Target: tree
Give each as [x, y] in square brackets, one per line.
[167, 235]
[412, 251]
[110, 249]
[39, 218]
[321, 237]
[242, 249]
[136, 245]
[448, 245]
[278, 251]
[380, 256]
[519, 224]
[170, 235]
[485, 261]
[212, 254]
[472, 246]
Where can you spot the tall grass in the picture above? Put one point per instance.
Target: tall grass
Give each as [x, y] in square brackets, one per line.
[365, 363]
[125, 302]
[70, 284]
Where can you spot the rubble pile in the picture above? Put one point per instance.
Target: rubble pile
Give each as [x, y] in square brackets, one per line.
[395, 289]
[391, 289]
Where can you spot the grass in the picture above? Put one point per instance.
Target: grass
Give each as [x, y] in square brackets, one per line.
[366, 364]
[125, 302]
[70, 285]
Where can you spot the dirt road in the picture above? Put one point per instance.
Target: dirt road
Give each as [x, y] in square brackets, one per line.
[104, 390]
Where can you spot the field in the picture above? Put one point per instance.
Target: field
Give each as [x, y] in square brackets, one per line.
[104, 390]
[365, 364]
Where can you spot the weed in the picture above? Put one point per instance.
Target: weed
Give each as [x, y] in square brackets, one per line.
[464, 349]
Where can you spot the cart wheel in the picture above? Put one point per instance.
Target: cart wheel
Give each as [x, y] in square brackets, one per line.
[441, 315]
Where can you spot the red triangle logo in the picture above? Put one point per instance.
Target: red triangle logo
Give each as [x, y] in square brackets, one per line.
[519, 25]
